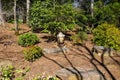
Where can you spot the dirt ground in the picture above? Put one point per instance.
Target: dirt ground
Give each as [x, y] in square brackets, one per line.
[77, 56]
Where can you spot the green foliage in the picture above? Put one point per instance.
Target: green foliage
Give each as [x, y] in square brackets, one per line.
[81, 19]
[43, 77]
[109, 13]
[79, 37]
[9, 72]
[100, 34]
[107, 35]
[28, 39]
[32, 53]
[21, 73]
[52, 17]
[116, 11]
[103, 12]
[113, 38]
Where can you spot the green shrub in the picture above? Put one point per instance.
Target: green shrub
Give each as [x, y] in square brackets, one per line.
[79, 38]
[107, 35]
[32, 53]
[52, 17]
[28, 39]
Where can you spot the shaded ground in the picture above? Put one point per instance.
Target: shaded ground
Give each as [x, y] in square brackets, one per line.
[78, 56]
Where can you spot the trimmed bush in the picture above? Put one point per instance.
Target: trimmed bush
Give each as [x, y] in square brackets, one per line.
[107, 35]
[28, 39]
[32, 53]
[79, 38]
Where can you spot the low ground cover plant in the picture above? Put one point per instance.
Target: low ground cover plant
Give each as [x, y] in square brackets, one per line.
[6, 72]
[43, 77]
[28, 39]
[32, 53]
[9, 73]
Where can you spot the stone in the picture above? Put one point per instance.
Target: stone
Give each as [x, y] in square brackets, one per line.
[101, 50]
[70, 74]
[55, 50]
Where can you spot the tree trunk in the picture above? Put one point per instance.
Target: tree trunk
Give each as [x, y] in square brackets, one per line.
[28, 9]
[92, 6]
[92, 14]
[2, 22]
[15, 18]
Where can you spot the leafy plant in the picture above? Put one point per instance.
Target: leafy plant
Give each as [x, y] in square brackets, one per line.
[79, 37]
[8, 73]
[52, 17]
[103, 12]
[107, 35]
[28, 39]
[109, 13]
[43, 77]
[116, 11]
[32, 53]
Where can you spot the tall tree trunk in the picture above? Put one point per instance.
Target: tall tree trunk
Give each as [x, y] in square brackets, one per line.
[92, 14]
[2, 22]
[28, 9]
[92, 6]
[15, 17]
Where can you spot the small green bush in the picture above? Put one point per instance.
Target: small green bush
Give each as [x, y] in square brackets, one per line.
[28, 39]
[107, 35]
[79, 38]
[32, 53]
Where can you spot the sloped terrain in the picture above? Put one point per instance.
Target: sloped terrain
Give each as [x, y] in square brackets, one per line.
[77, 56]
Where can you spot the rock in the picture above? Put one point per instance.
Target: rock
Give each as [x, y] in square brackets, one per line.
[101, 50]
[55, 50]
[73, 74]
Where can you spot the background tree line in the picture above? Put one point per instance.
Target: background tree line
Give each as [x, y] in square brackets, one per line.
[103, 11]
